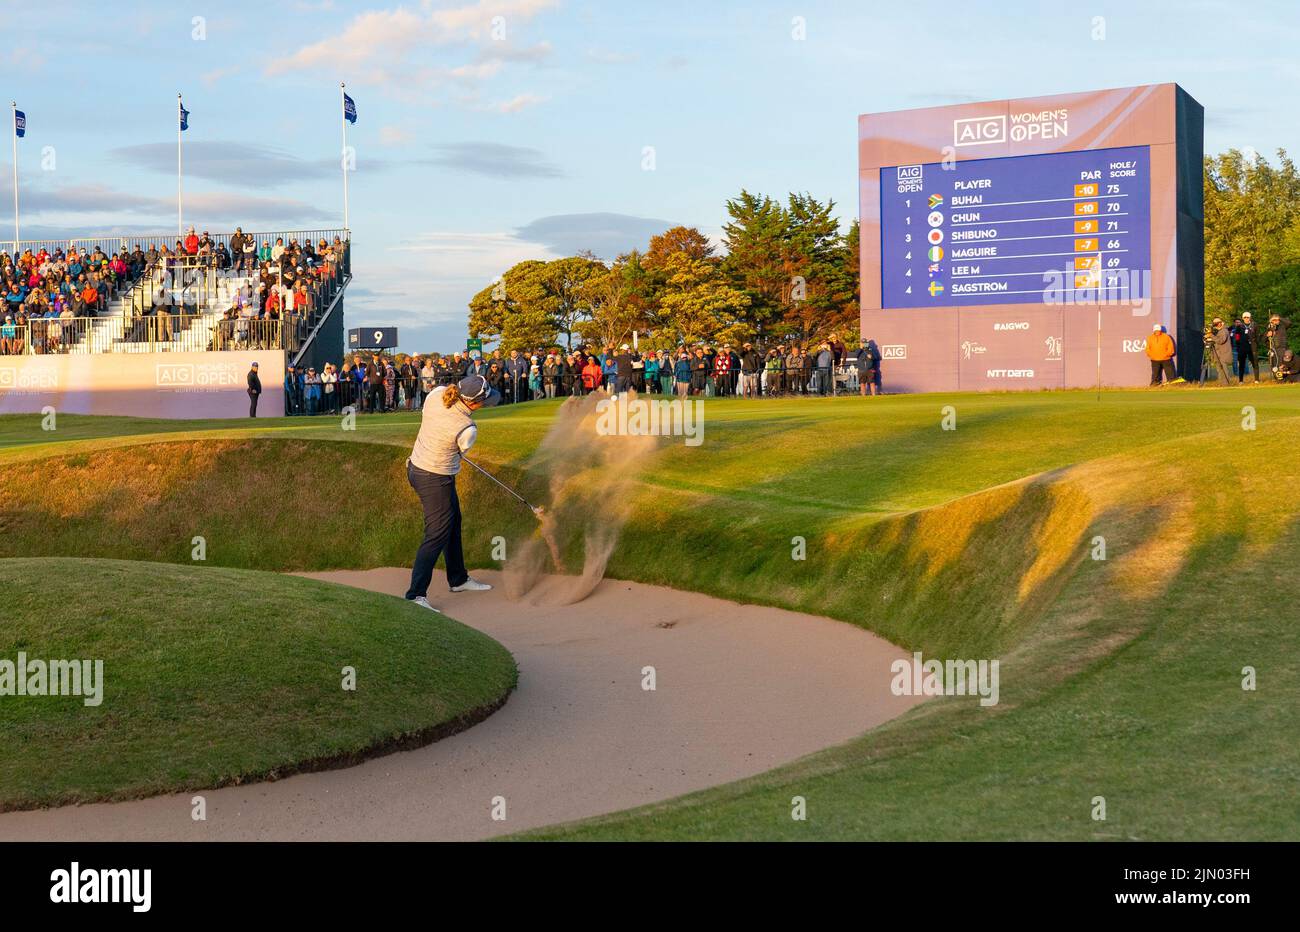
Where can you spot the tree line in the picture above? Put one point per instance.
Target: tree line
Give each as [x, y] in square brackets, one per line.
[787, 272]
[1252, 236]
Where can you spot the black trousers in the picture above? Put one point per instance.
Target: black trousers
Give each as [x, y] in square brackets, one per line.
[441, 530]
[252, 403]
[1246, 353]
[1162, 367]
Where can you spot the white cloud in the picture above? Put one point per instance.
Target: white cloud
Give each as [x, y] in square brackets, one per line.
[394, 48]
[517, 103]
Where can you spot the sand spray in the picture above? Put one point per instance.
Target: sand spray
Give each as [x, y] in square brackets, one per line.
[590, 477]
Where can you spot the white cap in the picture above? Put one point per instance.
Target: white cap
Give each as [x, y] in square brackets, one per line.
[1155, 328]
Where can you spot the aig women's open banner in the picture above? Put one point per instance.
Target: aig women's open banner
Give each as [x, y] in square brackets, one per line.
[168, 385]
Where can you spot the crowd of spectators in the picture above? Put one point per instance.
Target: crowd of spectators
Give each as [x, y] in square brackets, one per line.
[47, 293]
[287, 285]
[50, 295]
[380, 383]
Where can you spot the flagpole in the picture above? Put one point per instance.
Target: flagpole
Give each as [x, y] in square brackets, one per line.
[180, 192]
[13, 104]
[344, 160]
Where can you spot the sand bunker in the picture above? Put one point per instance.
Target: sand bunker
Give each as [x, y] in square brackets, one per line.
[742, 689]
[590, 475]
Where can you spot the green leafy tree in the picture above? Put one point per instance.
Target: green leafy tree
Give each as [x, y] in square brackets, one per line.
[755, 261]
[696, 302]
[614, 302]
[821, 270]
[1251, 214]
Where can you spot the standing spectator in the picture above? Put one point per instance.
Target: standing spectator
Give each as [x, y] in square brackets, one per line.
[837, 349]
[722, 372]
[375, 386]
[699, 372]
[772, 367]
[825, 370]
[622, 369]
[665, 373]
[534, 378]
[1250, 343]
[794, 372]
[312, 386]
[254, 390]
[1160, 350]
[869, 368]
[551, 375]
[329, 384]
[408, 373]
[390, 386]
[428, 380]
[751, 363]
[515, 373]
[293, 400]
[650, 373]
[591, 375]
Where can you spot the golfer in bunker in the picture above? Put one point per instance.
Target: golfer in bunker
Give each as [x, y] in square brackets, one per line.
[447, 431]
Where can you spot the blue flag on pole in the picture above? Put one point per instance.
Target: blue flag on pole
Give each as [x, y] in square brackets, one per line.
[20, 123]
[349, 109]
[185, 119]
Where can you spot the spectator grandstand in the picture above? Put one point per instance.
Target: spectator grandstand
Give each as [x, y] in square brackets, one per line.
[201, 292]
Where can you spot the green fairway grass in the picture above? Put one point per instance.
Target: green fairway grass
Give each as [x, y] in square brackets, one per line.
[216, 676]
[1120, 678]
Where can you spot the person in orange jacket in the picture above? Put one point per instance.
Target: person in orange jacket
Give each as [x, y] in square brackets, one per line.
[591, 375]
[1160, 350]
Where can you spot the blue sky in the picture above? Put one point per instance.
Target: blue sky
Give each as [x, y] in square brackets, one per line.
[492, 131]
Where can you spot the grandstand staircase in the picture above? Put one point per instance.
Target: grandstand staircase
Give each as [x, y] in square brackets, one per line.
[111, 330]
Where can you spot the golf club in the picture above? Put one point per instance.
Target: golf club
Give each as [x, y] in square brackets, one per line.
[536, 509]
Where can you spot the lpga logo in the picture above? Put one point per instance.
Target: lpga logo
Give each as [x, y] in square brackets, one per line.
[633, 417]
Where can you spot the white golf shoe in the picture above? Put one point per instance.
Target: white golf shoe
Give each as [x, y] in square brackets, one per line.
[471, 585]
[424, 603]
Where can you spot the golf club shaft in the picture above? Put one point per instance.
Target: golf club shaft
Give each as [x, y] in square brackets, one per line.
[530, 505]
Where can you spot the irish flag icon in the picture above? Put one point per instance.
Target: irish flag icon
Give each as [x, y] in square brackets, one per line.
[935, 200]
[936, 253]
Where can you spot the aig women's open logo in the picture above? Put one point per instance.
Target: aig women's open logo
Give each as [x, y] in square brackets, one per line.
[28, 378]
[188, 376]
[1025, 127]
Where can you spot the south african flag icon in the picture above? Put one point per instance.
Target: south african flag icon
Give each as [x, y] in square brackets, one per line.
[935, 200]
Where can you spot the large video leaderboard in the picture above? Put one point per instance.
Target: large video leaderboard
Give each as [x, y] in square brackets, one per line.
[1009, 230]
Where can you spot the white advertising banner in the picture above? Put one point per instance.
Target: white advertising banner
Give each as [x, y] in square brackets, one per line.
[163, 385]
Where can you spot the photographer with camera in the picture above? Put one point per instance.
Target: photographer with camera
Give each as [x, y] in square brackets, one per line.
[1276, 340]
[1288, 370]
[1219, 340]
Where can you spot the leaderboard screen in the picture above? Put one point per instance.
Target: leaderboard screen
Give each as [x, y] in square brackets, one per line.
[1003, 231]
